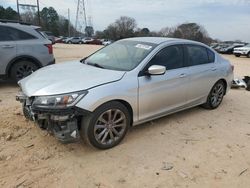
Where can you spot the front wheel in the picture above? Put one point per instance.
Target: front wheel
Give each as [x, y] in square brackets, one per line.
[107, 126]
[248, 55]
[215, 96]
[237, 55]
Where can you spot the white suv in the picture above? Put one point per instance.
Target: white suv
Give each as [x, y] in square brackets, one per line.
[242, 51]
[23, 49]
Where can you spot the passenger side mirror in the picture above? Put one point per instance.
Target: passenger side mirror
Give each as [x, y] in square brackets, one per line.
[156, 70]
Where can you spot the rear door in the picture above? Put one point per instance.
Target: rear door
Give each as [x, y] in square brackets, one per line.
[160, 94]
[203, 73]
[7, 49]
[25, 43]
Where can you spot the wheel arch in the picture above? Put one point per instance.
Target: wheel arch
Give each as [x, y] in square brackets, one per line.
[19, 58]
[126, 104]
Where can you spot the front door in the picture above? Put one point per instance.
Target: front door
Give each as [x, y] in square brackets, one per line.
[160, 94]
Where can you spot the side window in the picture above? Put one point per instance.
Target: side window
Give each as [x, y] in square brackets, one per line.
[197, 55]
[171, 57]
[211, 56]
[4, 35]
[19, 35]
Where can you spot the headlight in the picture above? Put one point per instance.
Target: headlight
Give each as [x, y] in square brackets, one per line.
[59, 101]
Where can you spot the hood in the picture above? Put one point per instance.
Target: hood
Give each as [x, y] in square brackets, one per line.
[66, 78]
[242, 48]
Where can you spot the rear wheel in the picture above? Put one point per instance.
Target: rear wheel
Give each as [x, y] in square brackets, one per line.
[107, 126]
[215, 96]
[237, 55]
[248, 55]
[22, 69]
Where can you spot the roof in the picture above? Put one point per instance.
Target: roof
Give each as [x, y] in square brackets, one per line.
[158, 40]
[17, 23]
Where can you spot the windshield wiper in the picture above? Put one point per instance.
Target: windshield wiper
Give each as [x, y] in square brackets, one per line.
[95, 65]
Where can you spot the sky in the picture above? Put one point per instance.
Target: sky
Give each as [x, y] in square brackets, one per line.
[223, 19]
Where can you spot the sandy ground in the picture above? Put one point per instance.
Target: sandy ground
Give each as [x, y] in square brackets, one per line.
[203, 148]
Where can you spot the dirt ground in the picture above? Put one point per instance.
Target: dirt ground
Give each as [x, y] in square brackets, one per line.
[193, 148]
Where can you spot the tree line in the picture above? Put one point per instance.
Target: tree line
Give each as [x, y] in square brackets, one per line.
[123, 27]
[50, 20]
[127, 27]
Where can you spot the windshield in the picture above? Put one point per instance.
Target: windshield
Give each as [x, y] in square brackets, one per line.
[122, 55]
[248, 45]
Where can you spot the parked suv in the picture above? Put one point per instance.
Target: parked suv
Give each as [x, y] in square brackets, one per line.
[23, 50]
[243, 51]
[74, 40]
[127, 83]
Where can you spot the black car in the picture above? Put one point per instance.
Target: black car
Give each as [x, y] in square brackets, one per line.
[230, 49]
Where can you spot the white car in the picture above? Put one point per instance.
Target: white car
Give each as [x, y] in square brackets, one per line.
[87, 40]
[242, 51]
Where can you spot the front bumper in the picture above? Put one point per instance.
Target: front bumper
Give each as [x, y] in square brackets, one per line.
[241, 52]
[52, 62]
[64, 124]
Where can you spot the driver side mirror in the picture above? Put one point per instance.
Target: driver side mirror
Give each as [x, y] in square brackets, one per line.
[156, 70]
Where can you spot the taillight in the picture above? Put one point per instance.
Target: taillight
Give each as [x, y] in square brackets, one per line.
[50, 48]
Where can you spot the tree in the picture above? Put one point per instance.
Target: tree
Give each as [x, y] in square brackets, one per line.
[191, 31]
[123, 27]
[166, 32]
[49, 20]
[89, 30]
[8, 13]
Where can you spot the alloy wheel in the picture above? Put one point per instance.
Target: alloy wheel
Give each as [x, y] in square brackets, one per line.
[110, 127]
[217, 94]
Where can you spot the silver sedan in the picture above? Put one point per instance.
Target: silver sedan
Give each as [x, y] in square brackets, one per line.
[127, 83]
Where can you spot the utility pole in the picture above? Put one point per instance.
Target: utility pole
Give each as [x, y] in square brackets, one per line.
[68, 22]
[23, 6]
[38, 12]
[17, 4]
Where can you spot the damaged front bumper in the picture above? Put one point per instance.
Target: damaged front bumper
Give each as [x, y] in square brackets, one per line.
[63, 123]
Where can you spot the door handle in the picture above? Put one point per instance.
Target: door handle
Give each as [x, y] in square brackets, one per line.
[7, 46]
[213, 69]
[182, 75]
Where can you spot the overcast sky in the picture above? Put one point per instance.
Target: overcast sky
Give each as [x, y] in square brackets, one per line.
[223, 19]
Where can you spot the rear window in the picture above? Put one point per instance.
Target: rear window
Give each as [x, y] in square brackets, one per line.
[17, 34]
[211, 56]
[197, 55]
[4, 35]
[41, 33]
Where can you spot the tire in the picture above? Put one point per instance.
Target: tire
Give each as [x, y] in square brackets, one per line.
[248, 55]
[21, 69]
[100, 128]
[215, 96]
[80, 42]
[237, 55]
[69, 42]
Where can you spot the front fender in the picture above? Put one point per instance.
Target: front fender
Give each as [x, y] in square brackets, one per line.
[125, 89]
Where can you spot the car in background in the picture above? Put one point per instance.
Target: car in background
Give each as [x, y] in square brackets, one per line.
[221, 46]
[60, 39]
[86, 40]
[127, 83]
[230, 49]
[74, 40]
[95, 41]
[23, 49]
[50, 36]
[242, 51]
[106, 42]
